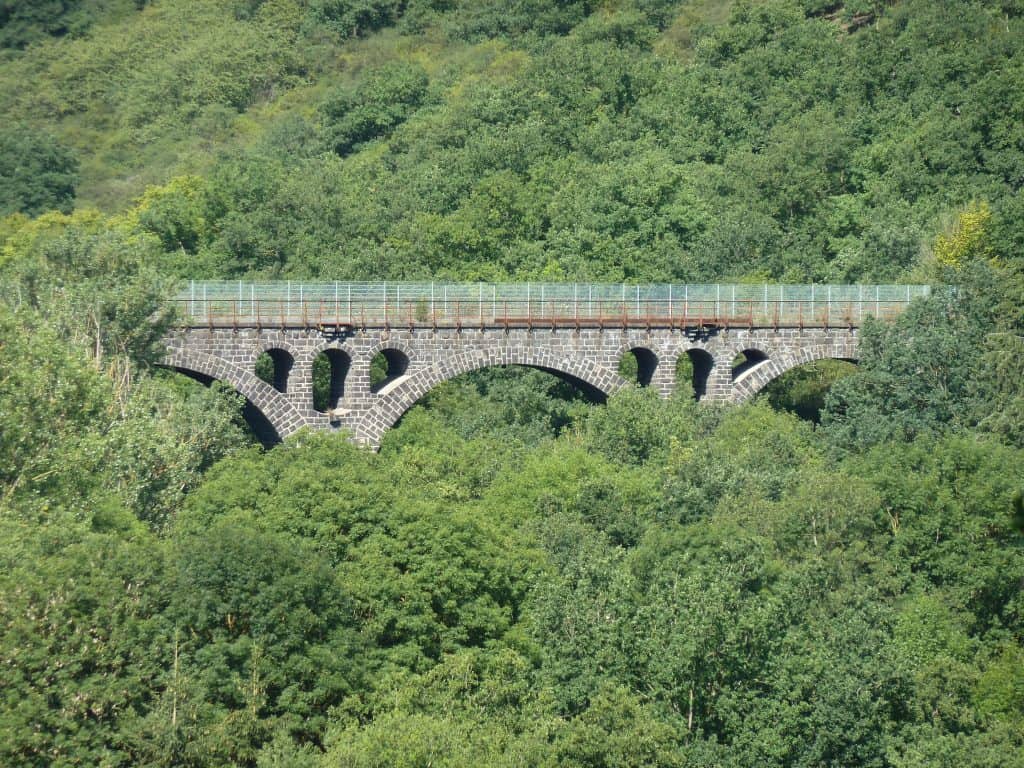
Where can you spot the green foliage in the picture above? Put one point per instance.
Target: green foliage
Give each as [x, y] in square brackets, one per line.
[24, 23]
[353, 18]
[803, 390]
[518, 577]
[381, 102]
[81, 635]
[37, 173]
[476, 19]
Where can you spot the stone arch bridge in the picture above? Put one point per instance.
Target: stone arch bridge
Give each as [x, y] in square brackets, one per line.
[738, 339]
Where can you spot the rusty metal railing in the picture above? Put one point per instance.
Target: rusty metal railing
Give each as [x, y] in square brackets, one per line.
[532, 305]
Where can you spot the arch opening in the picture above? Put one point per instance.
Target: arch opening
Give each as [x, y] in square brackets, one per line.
[330, 369]
[274, 366]
[260, 426]
[746, 361]
[639, 365]
[386, 366]
[594, 382]
[530, 402]
[693, 370]
[802, 389]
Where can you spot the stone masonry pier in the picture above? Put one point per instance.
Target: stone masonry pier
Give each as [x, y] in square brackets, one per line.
[423, 358]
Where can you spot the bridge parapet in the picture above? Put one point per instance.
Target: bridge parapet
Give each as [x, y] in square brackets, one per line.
[536, 305]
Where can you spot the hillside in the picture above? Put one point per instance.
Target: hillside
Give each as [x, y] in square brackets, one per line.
[830, 575]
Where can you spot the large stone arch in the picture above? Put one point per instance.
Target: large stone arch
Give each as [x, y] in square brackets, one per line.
[271, 404]
[779, 363]
[391, 406]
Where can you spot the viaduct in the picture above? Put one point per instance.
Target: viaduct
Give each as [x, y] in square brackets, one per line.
[738, 339]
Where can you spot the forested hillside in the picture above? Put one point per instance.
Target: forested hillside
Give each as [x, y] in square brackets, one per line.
[830, 575]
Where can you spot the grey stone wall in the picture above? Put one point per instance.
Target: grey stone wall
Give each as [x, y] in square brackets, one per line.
[588, 356]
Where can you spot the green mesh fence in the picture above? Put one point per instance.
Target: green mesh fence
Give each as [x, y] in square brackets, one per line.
[289, 304]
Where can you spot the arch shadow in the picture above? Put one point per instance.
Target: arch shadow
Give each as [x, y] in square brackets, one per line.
[752, 358]
[282, 361]
[327, 394]
[258, 424]
[701, 363]
[646, 364]
[803, 389]
[396, 363]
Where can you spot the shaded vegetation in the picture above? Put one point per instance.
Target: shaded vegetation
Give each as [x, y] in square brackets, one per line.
[518, 577]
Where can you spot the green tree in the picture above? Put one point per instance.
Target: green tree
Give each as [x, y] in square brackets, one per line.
[381, 102]
[37, 173]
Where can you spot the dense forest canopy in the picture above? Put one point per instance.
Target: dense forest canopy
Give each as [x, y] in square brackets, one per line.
[831, 575]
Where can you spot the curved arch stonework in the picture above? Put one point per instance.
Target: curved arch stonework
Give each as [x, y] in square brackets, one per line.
[763, 374]
[397, 401]
[589, 356]
[274, 340]
[274, 406]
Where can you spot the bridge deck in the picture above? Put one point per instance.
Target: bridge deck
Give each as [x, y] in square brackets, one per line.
[339, 306]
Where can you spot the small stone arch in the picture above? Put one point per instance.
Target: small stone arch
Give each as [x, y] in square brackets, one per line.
[275, 341]
[389, 343]
[270, 404]
[340, 362]
[703, 363]
[359, 374]
[759, 378]
[284, 362]
[647, 361]
[398, 364]
[756, 356]
[311, 352]
[393, 404]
